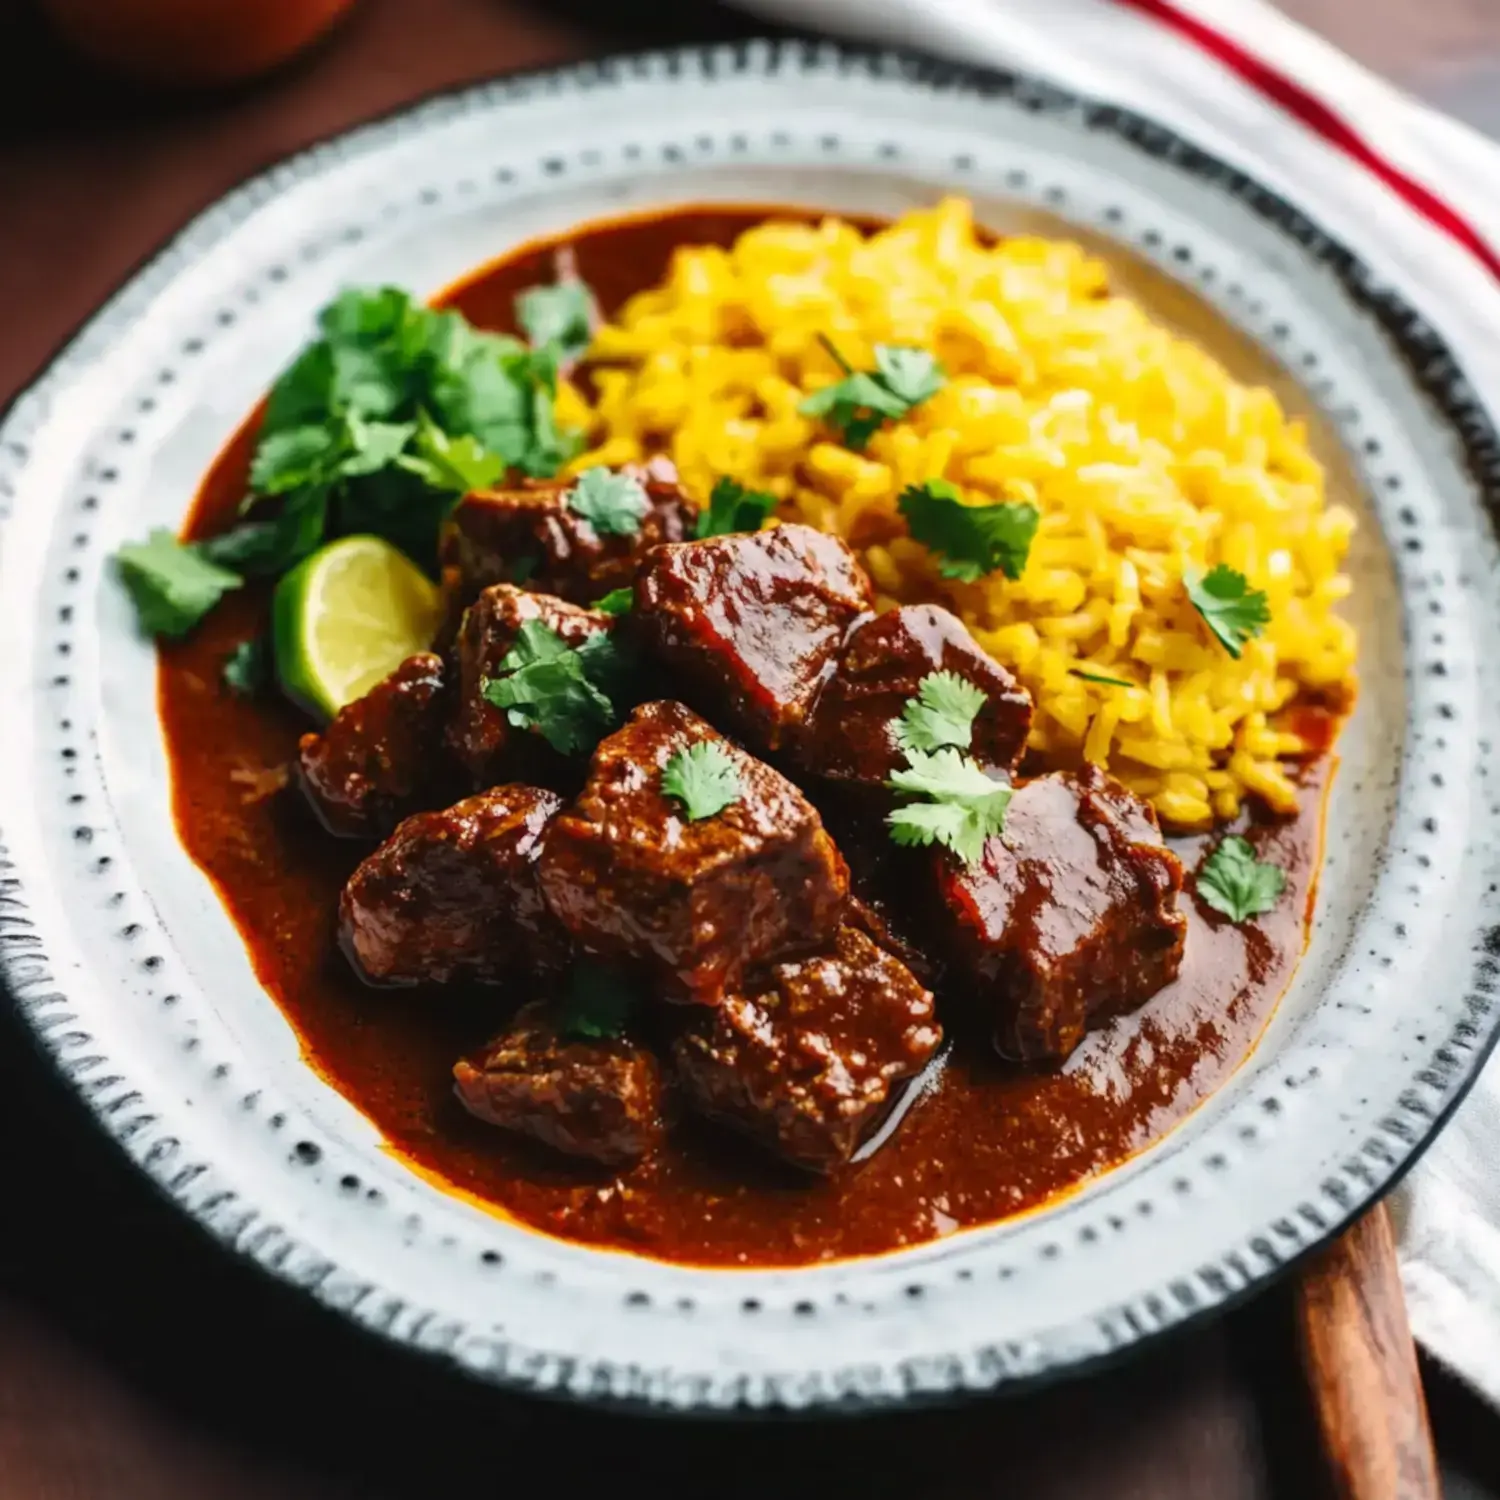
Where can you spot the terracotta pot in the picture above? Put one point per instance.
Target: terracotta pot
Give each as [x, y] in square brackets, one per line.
[193, 42]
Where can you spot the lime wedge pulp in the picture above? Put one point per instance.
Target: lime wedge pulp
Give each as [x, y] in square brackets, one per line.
[345, 617]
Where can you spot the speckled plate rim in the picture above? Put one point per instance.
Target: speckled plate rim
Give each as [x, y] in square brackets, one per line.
[858, 1334]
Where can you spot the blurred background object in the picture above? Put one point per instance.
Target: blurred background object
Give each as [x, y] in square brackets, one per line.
[193, 43]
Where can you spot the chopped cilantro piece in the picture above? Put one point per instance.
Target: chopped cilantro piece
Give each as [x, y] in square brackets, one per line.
[942, 713]
[703, 779]
[616, 602]
[1230, 607]
[863, 400]
[459, 464]
[961, 806]
[597, 1003]
[559, 316]
[171, 583]
[611, 503]
[247, 669]
[1100, 677]
[554, 688]
[969, 540]
[1236, 884]
[731, 507]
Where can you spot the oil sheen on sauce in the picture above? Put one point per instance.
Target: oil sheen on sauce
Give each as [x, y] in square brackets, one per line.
[982, 1142]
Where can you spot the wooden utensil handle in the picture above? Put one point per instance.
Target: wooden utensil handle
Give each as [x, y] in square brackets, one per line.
[1362, 1368]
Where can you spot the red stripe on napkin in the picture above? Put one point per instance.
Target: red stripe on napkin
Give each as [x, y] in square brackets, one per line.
[1316, 115]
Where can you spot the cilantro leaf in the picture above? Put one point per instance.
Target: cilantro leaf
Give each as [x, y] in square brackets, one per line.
[942, 713]
[703, 779]
[970, 540]
[731, 507]
[294, 457]
[616, 602]
[597, 1003]
[372, 446]
[553, 688]
[961, 806]
[261, 548]
[560, 315]
[1233, 882]
[613, 504]
[863, 401]
[171, 583]
[1100, 677]
[247, 669]
[1230, 607]
[457, 464]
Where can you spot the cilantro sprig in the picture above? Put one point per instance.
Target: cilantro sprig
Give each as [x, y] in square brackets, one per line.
[616, 602]
[942, 713]
[248, 669]
[1102, 678]
[1231, 609]
[969, 540]
[961, 806]
[863, 401]
[1237, 884]
[703, 779]
[560, 691]
[731, 507]
[596, 1003]
[392, 411]
[613, 504]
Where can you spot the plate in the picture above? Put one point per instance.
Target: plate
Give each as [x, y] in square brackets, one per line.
[138, 990]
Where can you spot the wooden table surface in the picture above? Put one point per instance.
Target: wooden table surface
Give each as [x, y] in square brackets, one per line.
[139, 1363]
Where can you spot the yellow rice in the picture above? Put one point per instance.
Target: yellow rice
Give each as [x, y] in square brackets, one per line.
[1143, 456]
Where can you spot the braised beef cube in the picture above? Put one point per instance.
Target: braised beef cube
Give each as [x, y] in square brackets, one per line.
[632, 876]
[482, 737]
[806, 1059]
[751, 624]
[1071, 915]
[851, 737]
[600, 1098]
[382, 756]
[454, 895]
[532, 536]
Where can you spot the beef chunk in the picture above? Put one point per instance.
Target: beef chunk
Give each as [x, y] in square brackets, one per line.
[751, 624]
[1071, 916]
[481, 736]
[595, 1097]
[850, 736]
[530, 536]
[382, 756]
[454, 895]
[804, 1060]
[632, 877]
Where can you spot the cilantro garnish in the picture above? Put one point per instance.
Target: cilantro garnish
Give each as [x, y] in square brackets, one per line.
[961, 806]
[731, 507]
[1100, 677]
[1238, 885]
[703, 779]
[559, 317]
[613, 504]
[616, 602]
[247, 669]
[556, 689]
[969, 540]
[392, 410]
[863, 401]
[172, 583]
[942, 713]
[1230, 607]
[596, 1004]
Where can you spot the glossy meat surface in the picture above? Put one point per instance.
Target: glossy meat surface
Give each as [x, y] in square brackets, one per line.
[584, 1096]
[530, 536]
[700, 902]
[381, 757]
[750, 626]
[850, 737]
[1071, 917]
[482, 738]
[453, 895]
[805, 1060]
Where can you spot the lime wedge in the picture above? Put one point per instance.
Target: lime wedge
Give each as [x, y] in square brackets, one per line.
[345, 617]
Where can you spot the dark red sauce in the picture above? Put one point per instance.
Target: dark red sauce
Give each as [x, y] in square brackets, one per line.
[983, 1142]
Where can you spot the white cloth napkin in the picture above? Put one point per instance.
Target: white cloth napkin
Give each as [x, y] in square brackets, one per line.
[1246, 83]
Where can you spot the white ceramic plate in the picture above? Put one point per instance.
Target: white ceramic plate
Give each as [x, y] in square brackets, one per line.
[139, 990]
